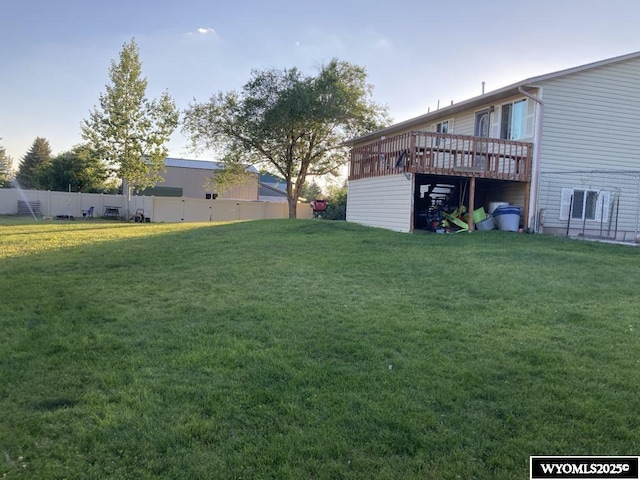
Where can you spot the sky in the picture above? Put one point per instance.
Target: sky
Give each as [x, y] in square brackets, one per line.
[55, 55]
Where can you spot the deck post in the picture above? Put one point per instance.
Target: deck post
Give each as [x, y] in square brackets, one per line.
[412, 149]
[472, 194]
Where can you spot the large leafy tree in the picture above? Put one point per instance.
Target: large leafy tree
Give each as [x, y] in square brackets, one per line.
[129, 131]
[6, 169]
[80, 169]
[34, 164]
[288, 123]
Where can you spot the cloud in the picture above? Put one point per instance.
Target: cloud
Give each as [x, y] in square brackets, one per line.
[383, 42]
[202, 34]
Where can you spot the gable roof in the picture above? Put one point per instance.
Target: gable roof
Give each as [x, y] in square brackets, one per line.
[265, 190]
[272, 185]
[494, 96]
[198, 164]
[271, 179]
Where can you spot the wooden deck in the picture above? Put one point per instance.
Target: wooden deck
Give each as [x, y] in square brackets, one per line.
[443, 154]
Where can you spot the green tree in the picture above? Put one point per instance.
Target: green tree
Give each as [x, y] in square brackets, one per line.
[290, 124]
[34, 164]
[129, 131]
[80, 169]
[6, 169]
[311, 190]
[337, 202]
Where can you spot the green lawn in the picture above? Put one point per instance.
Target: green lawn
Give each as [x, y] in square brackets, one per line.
[310, 350]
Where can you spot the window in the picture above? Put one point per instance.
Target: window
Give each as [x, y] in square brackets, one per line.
[442, 127]
[514, 120]
[483, 119]
[584, 204]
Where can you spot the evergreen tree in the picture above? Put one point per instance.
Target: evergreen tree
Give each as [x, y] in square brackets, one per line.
[311, 190]
[6, 169]
[34, 164]
[128, 131]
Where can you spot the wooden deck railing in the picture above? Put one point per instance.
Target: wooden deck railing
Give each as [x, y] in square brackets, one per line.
[443, 154]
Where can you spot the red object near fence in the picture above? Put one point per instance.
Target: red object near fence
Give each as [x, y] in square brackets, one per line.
[319, 205]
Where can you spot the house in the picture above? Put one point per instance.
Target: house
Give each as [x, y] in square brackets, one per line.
[562, 147]
[192, 179]
[272, 188]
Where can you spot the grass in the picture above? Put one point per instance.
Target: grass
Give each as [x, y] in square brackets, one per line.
[310, 349]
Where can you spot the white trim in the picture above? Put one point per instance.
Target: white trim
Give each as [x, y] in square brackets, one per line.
[534, 186]
[601, 212]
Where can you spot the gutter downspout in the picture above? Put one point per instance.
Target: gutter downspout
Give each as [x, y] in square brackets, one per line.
[535, 175]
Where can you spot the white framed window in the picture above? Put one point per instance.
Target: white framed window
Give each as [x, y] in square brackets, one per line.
[516, 120]
[584, 204]
[513, 123]
[446, 126]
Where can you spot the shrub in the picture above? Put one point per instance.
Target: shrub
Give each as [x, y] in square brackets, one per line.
[337, 203]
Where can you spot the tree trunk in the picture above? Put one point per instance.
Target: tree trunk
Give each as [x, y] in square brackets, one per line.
[292, 197]
[127, 202]
[293, 207]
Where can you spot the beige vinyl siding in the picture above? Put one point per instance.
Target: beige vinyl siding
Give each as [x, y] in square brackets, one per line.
[464, 123]
[618, 196]
[247, 191]
[381, 202]
[193, 181]
[592, 119]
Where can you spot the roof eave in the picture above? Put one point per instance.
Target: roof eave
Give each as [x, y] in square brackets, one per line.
[445, 112]
[487, 98]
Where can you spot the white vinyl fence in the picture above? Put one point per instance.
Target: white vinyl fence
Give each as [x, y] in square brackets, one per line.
[601, 204]
[47, 204]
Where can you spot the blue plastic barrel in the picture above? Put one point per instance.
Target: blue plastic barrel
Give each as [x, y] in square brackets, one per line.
[507, 218]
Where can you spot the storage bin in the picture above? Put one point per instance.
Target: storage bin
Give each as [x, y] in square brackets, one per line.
[494, 205]
[486, 224]
[479, 215]
[507, 218]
